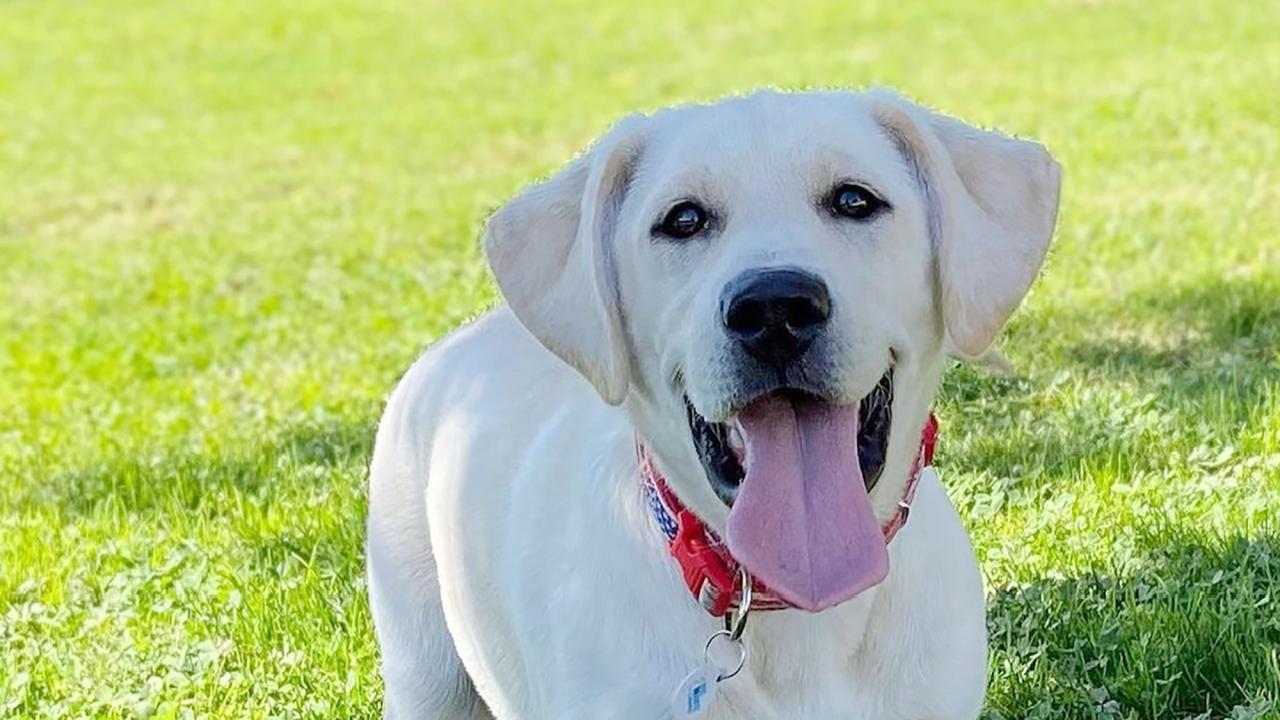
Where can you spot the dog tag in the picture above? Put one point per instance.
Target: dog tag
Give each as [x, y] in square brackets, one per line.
[696, 693]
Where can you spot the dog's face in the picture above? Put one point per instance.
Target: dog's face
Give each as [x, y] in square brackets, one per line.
[768, 283]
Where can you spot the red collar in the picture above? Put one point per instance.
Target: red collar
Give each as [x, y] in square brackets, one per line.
[708, 569]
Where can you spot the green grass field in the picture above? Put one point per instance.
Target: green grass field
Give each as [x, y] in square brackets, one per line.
[226, 228]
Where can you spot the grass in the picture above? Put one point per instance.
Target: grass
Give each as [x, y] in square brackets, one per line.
[226, 227]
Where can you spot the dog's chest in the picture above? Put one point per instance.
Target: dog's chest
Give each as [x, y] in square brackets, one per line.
[801, 669]
[822, 695]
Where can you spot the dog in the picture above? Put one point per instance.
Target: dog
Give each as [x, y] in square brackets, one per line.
[670, 476]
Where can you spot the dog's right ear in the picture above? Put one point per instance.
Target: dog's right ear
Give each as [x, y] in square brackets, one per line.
[551, 251]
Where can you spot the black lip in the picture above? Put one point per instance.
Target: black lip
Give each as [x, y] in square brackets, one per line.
[718, 461]
[725, 472]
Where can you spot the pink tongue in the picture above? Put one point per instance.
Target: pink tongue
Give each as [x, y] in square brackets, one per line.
[802, 521]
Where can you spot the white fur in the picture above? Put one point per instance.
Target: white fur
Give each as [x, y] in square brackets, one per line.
[514, 570]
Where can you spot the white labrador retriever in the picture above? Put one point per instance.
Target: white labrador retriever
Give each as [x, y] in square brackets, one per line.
[725, 326]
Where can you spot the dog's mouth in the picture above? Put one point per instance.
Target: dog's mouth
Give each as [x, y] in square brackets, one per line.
[796, 471]
[722, 447]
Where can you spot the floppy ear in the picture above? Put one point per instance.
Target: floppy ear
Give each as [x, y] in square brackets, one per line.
[551, 251]
[993, 203]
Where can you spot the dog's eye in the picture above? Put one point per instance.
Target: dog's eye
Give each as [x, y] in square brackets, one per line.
[683, 221]
[855, 202]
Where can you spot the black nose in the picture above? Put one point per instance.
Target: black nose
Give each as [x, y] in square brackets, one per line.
[775, 314]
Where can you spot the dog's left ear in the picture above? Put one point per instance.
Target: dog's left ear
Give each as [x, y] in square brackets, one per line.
[993, 203]
[551, 251]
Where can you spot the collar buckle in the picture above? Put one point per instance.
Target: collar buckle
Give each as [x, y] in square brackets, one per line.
[705, 572]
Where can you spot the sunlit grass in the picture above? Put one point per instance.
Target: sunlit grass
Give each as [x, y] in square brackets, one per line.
[226, 228]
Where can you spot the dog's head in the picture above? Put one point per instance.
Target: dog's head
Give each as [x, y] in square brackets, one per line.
[768, 283]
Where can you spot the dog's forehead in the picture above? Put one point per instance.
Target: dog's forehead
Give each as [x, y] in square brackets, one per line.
[771, 133]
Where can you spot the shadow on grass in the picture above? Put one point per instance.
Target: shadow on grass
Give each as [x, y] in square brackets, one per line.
[1159, 363]
[187, 480]
[1192, 631]
[1225, 338]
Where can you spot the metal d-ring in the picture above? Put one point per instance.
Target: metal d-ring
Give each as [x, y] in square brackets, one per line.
[736, 622]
